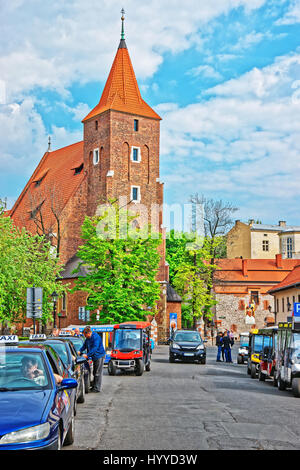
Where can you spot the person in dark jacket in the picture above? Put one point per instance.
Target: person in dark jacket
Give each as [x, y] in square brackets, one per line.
[227, 346]
[219, 345]
[96, 352]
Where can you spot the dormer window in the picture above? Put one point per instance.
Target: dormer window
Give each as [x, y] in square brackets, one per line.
[96, 156]
[78, 169]
[35, 211]
[38, 180]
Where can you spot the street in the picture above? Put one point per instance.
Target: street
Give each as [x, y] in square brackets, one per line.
[187, 407]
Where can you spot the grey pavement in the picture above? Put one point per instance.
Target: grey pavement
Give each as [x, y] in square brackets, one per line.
[187, 407]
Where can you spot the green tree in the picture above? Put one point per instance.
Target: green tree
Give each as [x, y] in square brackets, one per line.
[122, 266]
[25, 261]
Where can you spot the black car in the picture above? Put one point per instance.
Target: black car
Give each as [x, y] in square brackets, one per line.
[187, 345]
[88, 365]
[75, 364]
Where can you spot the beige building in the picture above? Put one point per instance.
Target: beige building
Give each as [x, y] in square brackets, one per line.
[286, 294]
[261, 241]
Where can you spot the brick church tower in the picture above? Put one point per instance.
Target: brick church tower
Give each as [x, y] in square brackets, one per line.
[118, 159]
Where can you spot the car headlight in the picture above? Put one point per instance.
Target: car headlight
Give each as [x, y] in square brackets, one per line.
[35, 433]
[200, 347]
[175, 346]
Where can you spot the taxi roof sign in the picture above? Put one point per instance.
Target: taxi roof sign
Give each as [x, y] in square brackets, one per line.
[66, 333]
[9, 339]
[37, 337]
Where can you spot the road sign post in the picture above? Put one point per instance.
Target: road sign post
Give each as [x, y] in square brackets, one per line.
[34, 307]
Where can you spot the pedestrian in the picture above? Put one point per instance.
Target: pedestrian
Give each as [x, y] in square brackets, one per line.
[227, 350]
[219, 345]
[96, 352]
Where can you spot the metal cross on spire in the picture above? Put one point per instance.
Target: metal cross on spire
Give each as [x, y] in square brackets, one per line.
[123, 19]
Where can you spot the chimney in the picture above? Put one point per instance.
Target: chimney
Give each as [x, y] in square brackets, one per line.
[245, 267]
[279, 261]
[282, 223]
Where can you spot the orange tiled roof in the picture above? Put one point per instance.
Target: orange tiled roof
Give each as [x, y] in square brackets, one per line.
[258, 270]
[291, 280]
[54, 175]
[121, 91]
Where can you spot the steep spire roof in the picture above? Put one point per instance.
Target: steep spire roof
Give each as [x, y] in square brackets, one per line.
[121, 91]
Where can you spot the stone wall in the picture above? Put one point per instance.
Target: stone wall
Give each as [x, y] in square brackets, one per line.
[230, 312]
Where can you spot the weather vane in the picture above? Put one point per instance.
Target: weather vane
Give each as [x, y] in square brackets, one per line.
[123, 18]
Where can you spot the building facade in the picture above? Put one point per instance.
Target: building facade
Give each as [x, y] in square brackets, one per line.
[261, 241]
[286, 294]
[117, 160]
[242, 290]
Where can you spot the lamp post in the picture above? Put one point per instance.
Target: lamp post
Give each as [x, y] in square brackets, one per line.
[275, 313]
[54, 296]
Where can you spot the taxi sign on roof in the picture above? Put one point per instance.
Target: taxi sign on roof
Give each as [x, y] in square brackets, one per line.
[9, 339]
[37, 337]
[65, 333]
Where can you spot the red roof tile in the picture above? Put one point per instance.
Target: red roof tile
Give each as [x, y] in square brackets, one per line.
[56, 175]
[291, 280]
[121, 91]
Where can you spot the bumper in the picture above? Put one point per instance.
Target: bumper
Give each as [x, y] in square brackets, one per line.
[188, 355]
[123, 363]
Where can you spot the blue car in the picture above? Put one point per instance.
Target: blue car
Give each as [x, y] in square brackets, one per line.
[37, 397]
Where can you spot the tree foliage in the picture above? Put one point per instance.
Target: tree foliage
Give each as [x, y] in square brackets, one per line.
[122, 264]
[25, 261]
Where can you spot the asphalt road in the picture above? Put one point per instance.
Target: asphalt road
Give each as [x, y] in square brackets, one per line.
[187, 407]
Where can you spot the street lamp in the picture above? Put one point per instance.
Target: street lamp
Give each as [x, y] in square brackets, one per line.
[275, 313]
[54, 296]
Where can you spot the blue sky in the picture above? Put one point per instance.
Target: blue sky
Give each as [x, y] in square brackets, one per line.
[224, 75]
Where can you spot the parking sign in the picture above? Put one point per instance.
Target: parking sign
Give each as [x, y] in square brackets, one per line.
[296, 309]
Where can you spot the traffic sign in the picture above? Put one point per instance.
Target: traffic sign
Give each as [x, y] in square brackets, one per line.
[297, 309]
[34, 306]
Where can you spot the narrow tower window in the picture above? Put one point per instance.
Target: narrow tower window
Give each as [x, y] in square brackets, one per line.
[136, 125]
[96, 156]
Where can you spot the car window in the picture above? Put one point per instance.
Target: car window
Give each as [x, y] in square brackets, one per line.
[62, 350]
[23, 370]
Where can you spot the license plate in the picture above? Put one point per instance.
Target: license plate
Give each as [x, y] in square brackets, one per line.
[188, 354]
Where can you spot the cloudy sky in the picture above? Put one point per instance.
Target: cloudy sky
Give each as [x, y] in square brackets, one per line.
[224, 75]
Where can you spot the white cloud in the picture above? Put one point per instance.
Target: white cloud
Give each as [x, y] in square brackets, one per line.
[292, 16]
[206, 71]
[243, 142]
[54, 44]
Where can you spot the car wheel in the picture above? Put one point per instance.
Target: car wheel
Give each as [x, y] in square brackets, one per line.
[69, 439]
[280, 384]
[81, 398]
[261, 376]
[139, 367]
[253, 372]
[171, 359]
[296, 387]
[87, 383]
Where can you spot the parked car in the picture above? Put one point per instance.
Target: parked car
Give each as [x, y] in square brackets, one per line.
[36, 412]
[187, 345]
[77, 342]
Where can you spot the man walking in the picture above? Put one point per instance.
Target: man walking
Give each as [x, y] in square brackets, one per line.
[96, 352]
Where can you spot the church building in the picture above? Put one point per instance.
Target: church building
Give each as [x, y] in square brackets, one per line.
[118, 159]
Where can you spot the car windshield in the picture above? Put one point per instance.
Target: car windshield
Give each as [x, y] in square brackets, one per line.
[244, 341]
[187, 336]
[62, 351]
[22, 371]
[258, 343]
[127, 339]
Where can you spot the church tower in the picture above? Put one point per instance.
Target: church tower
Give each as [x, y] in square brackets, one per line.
[121, 153]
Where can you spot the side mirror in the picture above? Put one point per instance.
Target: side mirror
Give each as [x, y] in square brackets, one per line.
[67, 384]
[80, 360]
